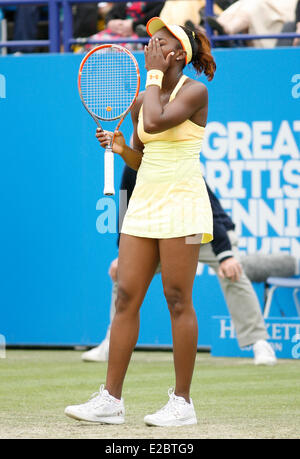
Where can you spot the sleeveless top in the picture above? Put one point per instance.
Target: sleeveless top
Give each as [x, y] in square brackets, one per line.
[170, 197]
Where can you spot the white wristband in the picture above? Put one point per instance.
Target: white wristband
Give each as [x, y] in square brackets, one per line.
[154, 77]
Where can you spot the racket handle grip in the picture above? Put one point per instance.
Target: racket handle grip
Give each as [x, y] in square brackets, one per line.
[109, 189]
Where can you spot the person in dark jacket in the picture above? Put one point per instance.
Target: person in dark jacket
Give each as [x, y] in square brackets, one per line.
[222, 256]
[125, 19]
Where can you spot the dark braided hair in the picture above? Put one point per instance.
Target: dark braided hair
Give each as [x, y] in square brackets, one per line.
[202, 58]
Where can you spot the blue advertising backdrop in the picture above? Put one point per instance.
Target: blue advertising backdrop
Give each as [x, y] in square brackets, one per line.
[55, 244]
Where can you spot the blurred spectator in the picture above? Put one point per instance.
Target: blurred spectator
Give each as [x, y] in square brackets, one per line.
[291, 27]
[181, 11]
[192, 14]
[26, 22]
[3, 36]
[26, 26]
[89, 18]
[128, 19]
[296, 41]
[30, 22]
[257, 17]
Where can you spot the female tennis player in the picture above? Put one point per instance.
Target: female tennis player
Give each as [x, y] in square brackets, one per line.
[169, 215]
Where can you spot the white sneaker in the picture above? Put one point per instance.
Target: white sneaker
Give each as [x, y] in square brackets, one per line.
[263, 353]
[177, 412]
[97, 354]
[102, 407]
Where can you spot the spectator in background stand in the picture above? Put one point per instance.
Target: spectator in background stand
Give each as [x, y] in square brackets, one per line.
[26, 26]
[192, 13]
[296, 41]
[86, 20]
[291, 27]
[181, 11]
[124, 18]
[257, 17]
[89, 18]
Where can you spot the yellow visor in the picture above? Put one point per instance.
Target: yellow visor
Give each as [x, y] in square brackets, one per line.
[156, 24]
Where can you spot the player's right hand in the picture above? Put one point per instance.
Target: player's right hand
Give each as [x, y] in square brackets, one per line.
[155, 58]
[104, 138]
[230, 269]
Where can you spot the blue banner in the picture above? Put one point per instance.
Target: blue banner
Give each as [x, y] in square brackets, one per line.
[284, 335]
[55, 287]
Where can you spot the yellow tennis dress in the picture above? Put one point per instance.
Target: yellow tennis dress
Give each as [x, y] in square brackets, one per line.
[170, 197]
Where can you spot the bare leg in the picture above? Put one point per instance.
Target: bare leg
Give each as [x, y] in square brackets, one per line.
[178, 267]
[138, 260]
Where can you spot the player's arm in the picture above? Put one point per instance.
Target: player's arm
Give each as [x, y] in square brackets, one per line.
[131, 155]
[191, 100]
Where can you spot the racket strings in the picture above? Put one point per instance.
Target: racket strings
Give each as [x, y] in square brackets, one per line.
[109, 83]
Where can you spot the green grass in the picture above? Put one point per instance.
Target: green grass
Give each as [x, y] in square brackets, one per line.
[232, 397]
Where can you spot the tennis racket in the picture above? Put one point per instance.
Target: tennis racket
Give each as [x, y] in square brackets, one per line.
[108, 85]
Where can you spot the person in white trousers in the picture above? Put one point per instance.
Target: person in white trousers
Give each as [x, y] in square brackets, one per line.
[256, 17]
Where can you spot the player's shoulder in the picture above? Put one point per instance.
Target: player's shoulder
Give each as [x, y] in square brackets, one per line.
[192, 85]
[195, 91]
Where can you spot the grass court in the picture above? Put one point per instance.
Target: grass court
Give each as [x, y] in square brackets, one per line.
[233, 398]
